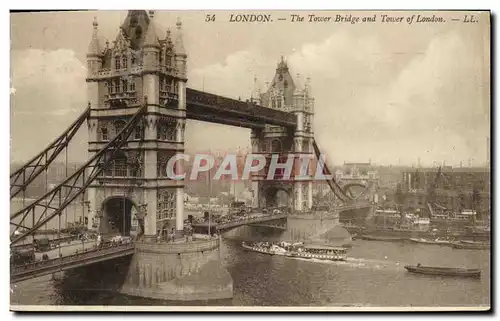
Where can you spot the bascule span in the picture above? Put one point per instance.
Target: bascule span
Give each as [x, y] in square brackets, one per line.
[313, 227]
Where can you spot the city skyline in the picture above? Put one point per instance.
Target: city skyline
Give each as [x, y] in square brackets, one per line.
[379, 109]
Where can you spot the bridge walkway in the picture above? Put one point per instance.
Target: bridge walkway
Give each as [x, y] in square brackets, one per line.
[87, 256]
[254, 218]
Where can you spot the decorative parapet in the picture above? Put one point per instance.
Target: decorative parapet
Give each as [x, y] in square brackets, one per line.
[314, 215]
[178, 248]
[84, 255]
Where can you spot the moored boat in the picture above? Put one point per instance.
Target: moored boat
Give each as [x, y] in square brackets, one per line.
[443, 271]
[434, 242]
[471, 246]
[421, 240]
[381, 238]
[299, 250]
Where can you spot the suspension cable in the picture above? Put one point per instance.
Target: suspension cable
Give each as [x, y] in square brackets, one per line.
[22, 177]
[96, 163]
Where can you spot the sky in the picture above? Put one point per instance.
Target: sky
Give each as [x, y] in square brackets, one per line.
[389, 93]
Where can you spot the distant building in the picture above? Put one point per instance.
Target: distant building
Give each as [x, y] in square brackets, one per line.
[453, 188]
[357, 172]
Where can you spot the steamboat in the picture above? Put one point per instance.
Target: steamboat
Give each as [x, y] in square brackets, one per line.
[299, 250]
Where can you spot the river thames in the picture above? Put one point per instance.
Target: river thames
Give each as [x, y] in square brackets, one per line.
[373, 275]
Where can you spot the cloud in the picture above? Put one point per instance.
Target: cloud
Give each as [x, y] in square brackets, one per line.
[373, 99]
[49, 95]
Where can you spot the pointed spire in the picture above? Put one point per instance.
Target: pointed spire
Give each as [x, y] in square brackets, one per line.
[94, 46]
[282, 65]
[256, 94]
[179, 44]
[151, 39]
[308, 86]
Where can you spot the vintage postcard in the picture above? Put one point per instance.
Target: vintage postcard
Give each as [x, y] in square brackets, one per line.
[250, 160]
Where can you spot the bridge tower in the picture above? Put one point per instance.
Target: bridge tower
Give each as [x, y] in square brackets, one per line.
[137, 69]
[286, 94]
[140, 69]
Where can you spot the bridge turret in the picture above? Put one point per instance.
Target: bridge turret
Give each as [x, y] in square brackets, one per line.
[180, 52]
[94, 64]
[303, 138]
[181, 66]
[151, 59]
[94, 52]
[256, 95]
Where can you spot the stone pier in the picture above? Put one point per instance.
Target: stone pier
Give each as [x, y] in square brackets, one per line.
[179, 271]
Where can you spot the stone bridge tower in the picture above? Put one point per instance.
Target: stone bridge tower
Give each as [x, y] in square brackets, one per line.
[143, 66]
[286, 94]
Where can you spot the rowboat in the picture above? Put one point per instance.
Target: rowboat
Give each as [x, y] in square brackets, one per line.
[444, 271]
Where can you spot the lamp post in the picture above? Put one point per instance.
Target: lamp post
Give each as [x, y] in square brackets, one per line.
[141, 214]
[84, 204]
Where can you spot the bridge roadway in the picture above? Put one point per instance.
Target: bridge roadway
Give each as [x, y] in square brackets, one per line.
[77, 254]
[88, 255]
[254, 218]
[356, 206]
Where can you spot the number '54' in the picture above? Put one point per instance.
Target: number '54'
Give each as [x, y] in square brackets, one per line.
[210, 18]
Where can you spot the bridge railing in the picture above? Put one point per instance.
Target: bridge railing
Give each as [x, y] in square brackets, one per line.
[69, 258]
[242, 221]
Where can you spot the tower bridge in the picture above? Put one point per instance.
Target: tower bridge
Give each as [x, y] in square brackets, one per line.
[136, 118]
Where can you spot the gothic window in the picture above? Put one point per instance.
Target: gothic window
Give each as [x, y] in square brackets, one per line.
[134, 60]
[108, 87]
[135, 169]
[170, 133]
[104, 134]
[117, 86]
[168, 59]
[307, 123]
[132, 85]
[117, 63]
[120, 165]
[124, 62]
[138, 132]
[111, 87]
[119, 125]
[276, 101]
[108, 171]
[162, 84]
[163, 131]
[165, 205]
[158, 130]
[276, 146]
[124, 85]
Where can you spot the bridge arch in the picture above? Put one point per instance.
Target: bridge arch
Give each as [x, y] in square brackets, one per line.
[357, 190]
[117, 215]
[278, 196]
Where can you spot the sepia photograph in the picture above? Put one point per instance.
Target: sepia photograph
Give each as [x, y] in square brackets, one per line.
[232, 160]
